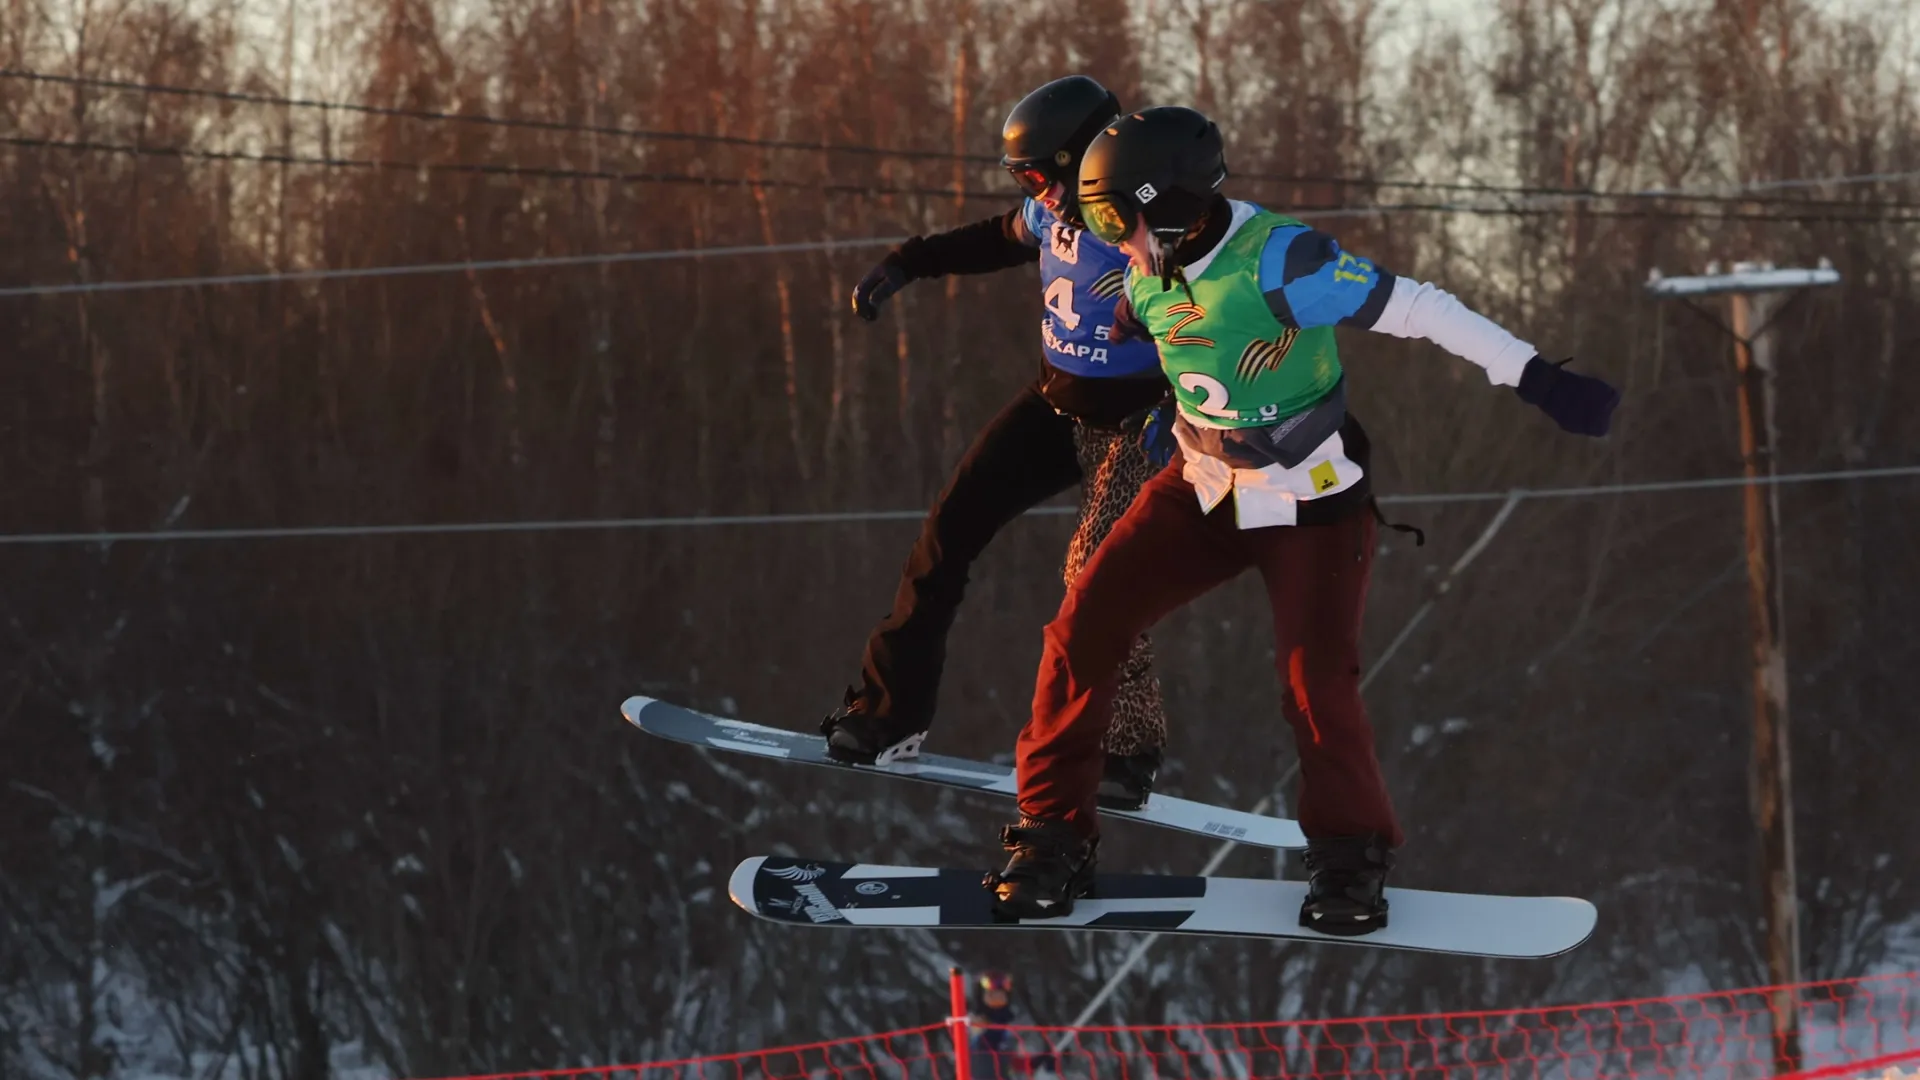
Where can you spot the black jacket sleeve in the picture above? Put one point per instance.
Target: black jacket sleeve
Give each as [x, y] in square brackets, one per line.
[980, 248]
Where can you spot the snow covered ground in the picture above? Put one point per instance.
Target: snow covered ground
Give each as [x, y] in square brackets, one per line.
[138, 1040]
[139, 1035]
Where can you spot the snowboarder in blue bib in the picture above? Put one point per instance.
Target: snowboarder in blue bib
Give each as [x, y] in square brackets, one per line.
[1271, 472]
[1078, 422]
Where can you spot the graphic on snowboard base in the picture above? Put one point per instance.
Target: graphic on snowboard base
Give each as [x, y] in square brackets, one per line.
[819, 893]
[699, 729]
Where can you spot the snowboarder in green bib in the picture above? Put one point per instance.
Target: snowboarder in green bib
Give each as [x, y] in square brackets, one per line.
[1271, 472]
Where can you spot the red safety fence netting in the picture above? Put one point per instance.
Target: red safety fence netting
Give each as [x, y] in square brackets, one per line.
[1730, 1035]
[1903, 1066]
[924, 1053]
[1818, 1030]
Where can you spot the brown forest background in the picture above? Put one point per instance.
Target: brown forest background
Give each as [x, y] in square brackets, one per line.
[272, 805]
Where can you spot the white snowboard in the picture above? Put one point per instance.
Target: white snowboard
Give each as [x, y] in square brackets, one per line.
[818, 893]
[684, 725]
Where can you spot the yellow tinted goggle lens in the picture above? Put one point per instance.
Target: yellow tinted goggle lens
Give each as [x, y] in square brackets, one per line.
[1105, 220]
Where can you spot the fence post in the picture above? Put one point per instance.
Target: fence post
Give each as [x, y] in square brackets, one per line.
[957, 1025]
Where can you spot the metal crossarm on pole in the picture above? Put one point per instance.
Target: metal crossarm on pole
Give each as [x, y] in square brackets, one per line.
[1745, 278]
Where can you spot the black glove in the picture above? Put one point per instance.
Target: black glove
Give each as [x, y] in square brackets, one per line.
[1126, 325]
[1579, 403]
[886, 278]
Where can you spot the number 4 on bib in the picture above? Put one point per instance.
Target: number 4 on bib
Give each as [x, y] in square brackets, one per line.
[1059, 297]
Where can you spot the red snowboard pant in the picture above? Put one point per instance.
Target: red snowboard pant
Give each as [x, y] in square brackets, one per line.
[1164, 553]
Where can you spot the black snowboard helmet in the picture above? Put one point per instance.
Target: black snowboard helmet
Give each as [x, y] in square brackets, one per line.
[1048, 131]
[1163, 164]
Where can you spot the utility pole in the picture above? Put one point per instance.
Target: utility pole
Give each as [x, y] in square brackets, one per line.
[1756, 293]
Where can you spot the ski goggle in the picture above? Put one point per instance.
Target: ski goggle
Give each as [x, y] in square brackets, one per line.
[1032, 180]
[1109, 218]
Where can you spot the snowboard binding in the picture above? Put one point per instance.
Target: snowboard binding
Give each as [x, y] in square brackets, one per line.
[1346, 894]
[855, 736]
[1049, 868]
[1127, 782]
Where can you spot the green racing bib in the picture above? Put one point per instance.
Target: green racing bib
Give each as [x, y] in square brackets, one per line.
[1230, 360]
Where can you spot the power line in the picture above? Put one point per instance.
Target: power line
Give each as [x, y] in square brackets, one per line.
[1739, 193]
[485, 119]
[1734, 196]
[1551, 199]
[1821, 181]
[1644, 213]
[536, 262]
[536, 171]
[449, 267]
[1651, 487]
[1510, 495]
[1534, 206]
[1554, 194]
[1548, 196]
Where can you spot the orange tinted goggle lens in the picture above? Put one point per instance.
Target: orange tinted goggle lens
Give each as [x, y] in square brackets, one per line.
[1032, 179]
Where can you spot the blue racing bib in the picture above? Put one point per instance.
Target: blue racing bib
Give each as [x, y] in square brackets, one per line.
[1082, 279]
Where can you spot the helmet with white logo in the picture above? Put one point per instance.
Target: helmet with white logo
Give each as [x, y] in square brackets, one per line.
[1162, 164]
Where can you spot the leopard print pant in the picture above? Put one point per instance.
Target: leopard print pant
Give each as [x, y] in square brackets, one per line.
[1112, 468]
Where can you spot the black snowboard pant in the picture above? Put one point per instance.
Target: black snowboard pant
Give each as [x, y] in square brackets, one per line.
[1023, 457]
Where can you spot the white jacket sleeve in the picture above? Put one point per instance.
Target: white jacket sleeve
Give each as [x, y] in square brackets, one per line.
[1423, 310]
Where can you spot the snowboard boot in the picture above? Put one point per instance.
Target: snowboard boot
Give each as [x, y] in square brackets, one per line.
[1128, 780]
[1346, 894]
[1050, 867]
[857, 737]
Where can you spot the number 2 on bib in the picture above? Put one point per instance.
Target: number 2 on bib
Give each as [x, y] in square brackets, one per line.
[1215, 402]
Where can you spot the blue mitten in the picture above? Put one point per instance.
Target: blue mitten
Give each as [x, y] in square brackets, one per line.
[1579, 403]
[1156, 435]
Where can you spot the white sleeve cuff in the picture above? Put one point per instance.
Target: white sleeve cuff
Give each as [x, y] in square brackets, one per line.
[1423, 310]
